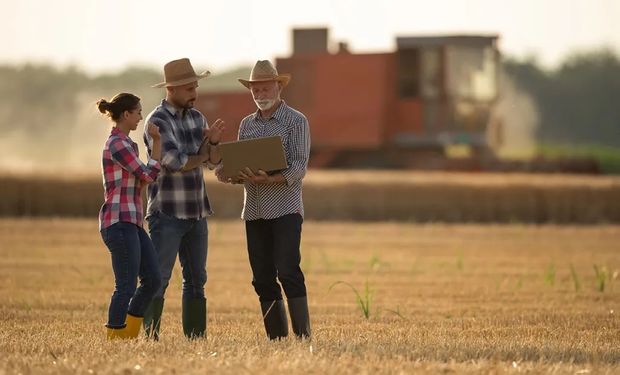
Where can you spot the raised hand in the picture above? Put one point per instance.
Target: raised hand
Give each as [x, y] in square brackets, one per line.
[215, 131]
[153, 131]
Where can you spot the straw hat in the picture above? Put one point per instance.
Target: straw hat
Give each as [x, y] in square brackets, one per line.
[264, 71]
[180, 72]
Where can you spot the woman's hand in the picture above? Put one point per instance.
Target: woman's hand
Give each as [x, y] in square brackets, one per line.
[153, 131]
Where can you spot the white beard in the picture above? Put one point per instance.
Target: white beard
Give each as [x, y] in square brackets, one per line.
[264, 104]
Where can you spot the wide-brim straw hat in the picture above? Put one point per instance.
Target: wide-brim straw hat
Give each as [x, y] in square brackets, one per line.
[180, 72]
[264, 71]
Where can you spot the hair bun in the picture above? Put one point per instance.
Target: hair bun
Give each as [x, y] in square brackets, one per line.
[117, 105]
[103, 106]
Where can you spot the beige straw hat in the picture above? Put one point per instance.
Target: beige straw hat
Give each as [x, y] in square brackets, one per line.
[180, 72]
[264, 71]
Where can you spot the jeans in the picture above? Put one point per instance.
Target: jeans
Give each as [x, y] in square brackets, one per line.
[273, 249]
[133, 256]
[187, 238]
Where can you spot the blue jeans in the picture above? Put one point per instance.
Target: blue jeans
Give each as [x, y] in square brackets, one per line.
[188, 238]
[133, 256]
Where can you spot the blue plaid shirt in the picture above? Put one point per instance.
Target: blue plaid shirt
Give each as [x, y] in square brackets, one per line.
[176, 193]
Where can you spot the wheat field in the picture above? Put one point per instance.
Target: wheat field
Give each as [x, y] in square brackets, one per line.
[407, 196]
[444, 299]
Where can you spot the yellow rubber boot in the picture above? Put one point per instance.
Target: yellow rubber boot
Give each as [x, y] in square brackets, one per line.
[116, 333]
[132, 329]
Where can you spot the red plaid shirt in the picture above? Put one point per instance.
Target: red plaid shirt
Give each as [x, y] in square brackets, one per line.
[123, 177]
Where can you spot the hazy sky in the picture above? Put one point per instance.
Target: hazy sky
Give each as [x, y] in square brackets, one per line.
[108, 35]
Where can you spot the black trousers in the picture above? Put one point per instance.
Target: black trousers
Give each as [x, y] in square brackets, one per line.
[273, 249]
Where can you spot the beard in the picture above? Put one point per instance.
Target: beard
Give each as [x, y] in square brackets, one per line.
[188, 104]
[264, 104]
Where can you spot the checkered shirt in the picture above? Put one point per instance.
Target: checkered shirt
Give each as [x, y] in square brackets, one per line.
[177, 193]
[270, 201]
[123, 177]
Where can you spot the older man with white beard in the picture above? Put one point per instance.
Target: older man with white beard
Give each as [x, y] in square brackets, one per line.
[273, 208]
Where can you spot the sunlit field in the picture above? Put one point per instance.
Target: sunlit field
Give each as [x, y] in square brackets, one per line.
[416, 197]
[441, 298]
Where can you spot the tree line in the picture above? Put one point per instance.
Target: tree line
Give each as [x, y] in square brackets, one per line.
[578, 102]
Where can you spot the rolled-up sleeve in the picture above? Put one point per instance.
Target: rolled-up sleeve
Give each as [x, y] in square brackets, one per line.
[298, 152]
[124, 155]
[171, 157]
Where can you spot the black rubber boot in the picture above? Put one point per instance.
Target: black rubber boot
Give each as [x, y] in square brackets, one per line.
[274, 317]
[152, 318]
[194, 317]
[300, 317]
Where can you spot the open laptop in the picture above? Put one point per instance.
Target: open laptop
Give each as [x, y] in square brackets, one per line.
[264, 153]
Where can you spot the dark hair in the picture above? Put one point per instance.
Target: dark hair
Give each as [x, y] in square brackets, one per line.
[120, 103]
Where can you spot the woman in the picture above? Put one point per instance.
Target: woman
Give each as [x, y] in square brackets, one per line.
[120, 218]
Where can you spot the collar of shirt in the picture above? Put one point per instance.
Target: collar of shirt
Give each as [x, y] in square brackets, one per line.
[117, 132]
[278, 114]
[170, 108]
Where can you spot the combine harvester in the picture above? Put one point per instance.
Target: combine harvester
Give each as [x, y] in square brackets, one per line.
[400, 109]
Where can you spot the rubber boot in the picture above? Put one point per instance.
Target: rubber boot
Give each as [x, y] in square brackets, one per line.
[274, 317]
[194, 317]
[152, 318]
[300, 318]
[116, 333]
[132, 327]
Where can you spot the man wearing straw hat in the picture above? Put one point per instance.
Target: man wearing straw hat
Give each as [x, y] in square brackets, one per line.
[273, 208]
[177, 201]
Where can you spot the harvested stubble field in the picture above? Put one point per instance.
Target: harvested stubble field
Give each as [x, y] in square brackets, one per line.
[365, 195]
[445, 298]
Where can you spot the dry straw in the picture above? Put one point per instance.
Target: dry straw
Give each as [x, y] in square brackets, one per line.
[367, 196]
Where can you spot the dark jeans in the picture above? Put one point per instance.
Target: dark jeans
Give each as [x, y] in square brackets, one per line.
[133, 256]
[188, 238]
[273, 249]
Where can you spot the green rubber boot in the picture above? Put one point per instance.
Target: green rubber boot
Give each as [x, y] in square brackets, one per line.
[194, 317]
[274, 317]
[300, 318]
[152, 318]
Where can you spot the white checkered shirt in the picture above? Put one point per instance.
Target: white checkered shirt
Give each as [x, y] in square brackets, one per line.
[270, 201]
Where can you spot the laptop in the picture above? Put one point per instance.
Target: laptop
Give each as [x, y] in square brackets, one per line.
[264, 153]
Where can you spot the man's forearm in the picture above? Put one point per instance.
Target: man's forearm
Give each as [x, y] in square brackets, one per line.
[277, 178]
[214, 155]
[193, 161]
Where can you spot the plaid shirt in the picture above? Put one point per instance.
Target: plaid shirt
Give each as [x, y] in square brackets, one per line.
[123, 176]
[270, 201]
[177, 193]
